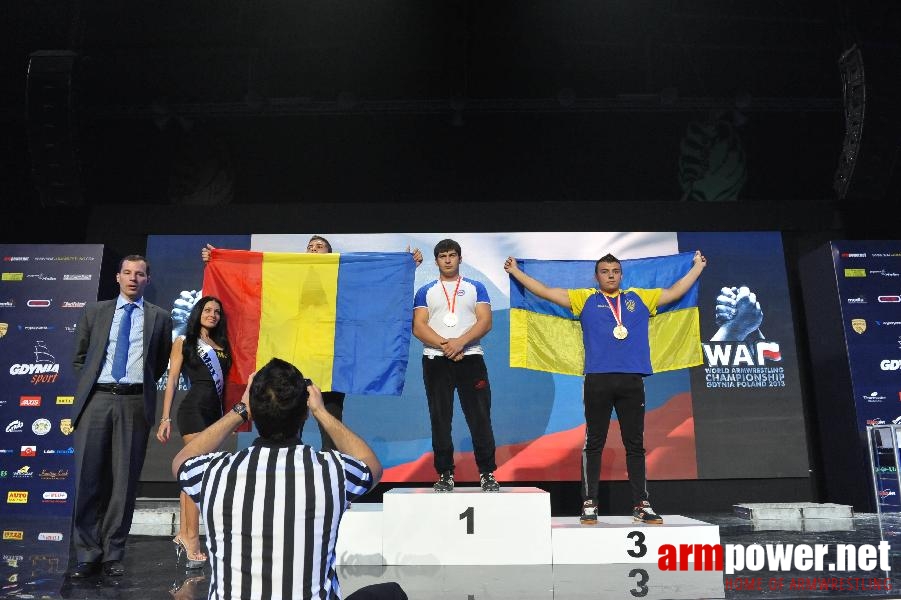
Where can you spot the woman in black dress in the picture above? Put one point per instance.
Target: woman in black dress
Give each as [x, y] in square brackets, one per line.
[204, 355]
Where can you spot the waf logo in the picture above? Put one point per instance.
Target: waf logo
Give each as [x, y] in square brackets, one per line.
[9, 534]
[29, 401]
[16, 497]
[738, 355]
[29, 451]
[44, 369]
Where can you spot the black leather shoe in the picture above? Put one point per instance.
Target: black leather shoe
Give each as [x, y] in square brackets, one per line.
[84, 569]
[114, 568]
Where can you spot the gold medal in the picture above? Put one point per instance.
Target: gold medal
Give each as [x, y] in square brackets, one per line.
[620, 332]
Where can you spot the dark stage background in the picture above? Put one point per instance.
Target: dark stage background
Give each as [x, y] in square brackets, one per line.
[125, 119]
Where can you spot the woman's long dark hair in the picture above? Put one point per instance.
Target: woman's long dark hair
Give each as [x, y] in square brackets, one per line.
[218, 334]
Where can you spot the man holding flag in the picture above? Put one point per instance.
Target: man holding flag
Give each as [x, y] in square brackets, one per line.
[615, 333]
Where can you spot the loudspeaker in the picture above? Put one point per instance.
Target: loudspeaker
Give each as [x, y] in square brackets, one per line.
[52, 127]
[871, 92]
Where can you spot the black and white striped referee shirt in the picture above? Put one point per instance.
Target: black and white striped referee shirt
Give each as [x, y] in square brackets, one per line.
[272, 513]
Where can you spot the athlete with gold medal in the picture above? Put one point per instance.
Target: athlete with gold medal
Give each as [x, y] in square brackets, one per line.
[615, 325]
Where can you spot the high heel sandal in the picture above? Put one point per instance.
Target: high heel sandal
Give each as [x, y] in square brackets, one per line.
[180, 549]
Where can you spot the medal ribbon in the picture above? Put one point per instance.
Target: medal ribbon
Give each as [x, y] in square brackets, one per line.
[616, 311]
[452, 307]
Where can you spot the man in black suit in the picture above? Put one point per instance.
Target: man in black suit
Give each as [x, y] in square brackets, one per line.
[121, 349]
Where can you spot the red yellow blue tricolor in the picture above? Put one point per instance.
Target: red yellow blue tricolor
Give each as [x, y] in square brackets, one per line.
[343, 319]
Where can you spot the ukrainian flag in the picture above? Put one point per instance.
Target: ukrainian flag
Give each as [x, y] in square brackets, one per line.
[546, 337]
[345, 320]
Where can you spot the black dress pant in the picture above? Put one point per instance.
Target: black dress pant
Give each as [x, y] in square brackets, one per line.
[602, 394]
[110, 444]
[469, 377]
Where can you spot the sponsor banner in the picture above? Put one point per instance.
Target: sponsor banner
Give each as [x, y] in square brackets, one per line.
[40, 310]
[873, 343]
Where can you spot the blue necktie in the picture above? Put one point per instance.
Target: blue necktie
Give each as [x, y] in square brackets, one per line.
[120, 359]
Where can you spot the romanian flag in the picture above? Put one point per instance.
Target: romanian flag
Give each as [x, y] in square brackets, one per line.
[547, 337]
[344, 320]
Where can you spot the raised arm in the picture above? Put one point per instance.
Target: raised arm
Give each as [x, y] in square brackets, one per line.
[206, 252]
[346, 441]
[558, 296]
[678, 289]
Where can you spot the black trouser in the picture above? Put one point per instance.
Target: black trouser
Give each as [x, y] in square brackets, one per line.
[470, 378]
[334, 405]
[110, 443]
[604, 392]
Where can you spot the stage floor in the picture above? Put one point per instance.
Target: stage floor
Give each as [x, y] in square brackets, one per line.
[35, 567]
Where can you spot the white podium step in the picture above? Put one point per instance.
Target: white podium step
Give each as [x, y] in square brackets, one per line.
[467, 527]
[539, 582]
[360, 536]
[618, 539]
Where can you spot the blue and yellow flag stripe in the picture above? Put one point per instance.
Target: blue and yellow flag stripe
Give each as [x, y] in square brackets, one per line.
[547, 337]
[344, 319]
